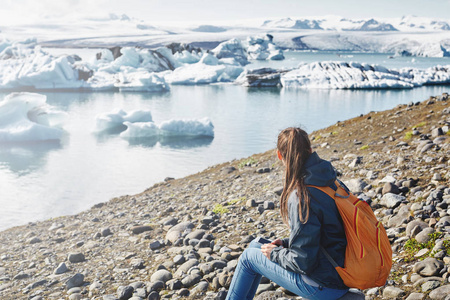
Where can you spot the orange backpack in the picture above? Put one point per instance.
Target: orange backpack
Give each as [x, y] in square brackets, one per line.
[368, 256]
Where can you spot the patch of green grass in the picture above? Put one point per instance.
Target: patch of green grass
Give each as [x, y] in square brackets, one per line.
[448, 133]
[220, 209]
[396, 275]
[364, 147]
[408, 135]
[334, 133]
[248, 162]
[412, 246]
[421, 124]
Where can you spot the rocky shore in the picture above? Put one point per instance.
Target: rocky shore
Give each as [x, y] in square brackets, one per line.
[181, 238]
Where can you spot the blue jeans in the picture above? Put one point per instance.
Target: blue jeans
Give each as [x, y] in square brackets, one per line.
[253, 264]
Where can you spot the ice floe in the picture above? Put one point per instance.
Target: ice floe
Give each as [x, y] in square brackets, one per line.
[139, 123]
[169, 128]
[342, 75]
[201, 73]
[117, 118]
[26, 117]
[262, 48]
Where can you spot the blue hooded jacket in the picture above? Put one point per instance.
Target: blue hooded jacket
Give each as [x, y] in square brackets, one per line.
[301, 252]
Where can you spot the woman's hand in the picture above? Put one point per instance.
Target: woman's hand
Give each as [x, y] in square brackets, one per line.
[277, 242]
[267, 248]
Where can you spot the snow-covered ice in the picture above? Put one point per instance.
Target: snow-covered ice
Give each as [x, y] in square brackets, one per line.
[169, 128]
[117, 118]
[26, 117]
[342, 75]
[201, 73]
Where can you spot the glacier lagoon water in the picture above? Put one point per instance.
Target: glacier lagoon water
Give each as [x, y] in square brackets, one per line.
[39, 181]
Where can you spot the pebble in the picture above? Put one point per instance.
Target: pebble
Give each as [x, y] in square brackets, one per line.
[76, 280]
[62, 268]
[76, 257]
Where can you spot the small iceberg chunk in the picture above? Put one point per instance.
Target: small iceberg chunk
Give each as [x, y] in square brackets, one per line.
[183, 127]
[141, 82]
[26, 117]
[116, 119]
[170, 128]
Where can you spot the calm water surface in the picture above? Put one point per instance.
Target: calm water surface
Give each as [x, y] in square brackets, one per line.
[39, 181]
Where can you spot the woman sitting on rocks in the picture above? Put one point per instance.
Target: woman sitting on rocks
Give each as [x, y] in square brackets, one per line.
[297, 263]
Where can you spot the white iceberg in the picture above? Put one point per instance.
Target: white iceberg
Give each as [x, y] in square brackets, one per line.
[117, 118]
[262, 48]
[187, 57]
[201, 73]
[26, 117]
[170, 128]
[233, 48]
[141, 82]
[342, 75]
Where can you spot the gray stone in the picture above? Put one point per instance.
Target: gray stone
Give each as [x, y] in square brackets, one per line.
[251, 203]
[428, 267]
[430, 285]
[176, 231]
[218, 264]
[174, 284]
[179, 259]
[21, 276]
[190, 280]
[411, 225]
[440, 293]
[269, 205]
[137, 263]
[415, 296]
[184, 268]
[153, 296]
[196, 234]
[161, 275]
[125, 292]
[392, 200]
[76, 296]
[76, 280]
[356, 185]
[391, 292]
[140, 229]
[34, 240]
[155, 286]
[62, 268]
[437, 132]
[424, 235]
[105, 232]
[76, 257]
[390, 188]
[204, 243]
[155, 245]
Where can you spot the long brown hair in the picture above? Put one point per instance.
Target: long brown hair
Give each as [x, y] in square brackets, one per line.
[295, 148]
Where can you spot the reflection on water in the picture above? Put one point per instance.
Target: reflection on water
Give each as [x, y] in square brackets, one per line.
[25, 158]
[179, 142]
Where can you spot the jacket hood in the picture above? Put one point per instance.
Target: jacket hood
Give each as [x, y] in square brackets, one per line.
[319, 172]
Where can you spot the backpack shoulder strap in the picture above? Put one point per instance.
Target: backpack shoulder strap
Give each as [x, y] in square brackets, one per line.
[330, 259]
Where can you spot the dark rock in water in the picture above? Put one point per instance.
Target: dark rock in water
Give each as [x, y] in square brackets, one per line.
[264, 77]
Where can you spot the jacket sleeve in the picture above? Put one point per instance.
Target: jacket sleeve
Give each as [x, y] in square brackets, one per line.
[301, 255]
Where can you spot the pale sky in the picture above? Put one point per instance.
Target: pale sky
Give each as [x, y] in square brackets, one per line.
[19, 11]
